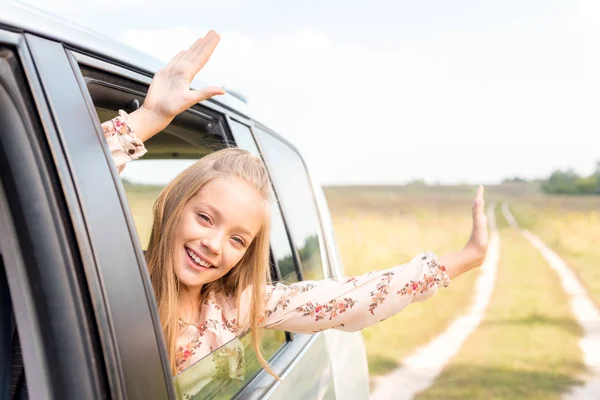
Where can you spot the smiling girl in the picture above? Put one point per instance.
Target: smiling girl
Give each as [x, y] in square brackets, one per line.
[208, 255]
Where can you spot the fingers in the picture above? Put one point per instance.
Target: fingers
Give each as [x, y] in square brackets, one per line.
[205, 93]
[211, 39]
[175, 59]
[479, 202]
[199, 53]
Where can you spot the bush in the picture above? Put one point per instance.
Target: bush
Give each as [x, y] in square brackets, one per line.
[568, 182]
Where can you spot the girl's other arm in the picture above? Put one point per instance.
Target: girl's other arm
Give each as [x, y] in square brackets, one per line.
[354, 303]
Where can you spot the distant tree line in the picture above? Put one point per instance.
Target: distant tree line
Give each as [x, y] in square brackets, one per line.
[568, 182]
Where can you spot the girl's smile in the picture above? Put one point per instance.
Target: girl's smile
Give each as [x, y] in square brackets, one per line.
[198, 261]
[216, 228]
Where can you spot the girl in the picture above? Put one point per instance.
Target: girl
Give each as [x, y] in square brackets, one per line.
[209, 248]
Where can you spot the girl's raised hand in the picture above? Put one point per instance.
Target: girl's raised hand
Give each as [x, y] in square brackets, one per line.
[478, 242]
[473, 254]
[170, 93]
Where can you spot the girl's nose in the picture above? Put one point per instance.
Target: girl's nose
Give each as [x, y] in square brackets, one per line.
[212, 244]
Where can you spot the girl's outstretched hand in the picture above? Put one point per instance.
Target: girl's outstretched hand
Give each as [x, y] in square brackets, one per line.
[170, 93]
[478, 242]
[473, 254]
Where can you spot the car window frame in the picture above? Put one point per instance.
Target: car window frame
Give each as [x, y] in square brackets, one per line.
[49, 192]
[113, 275]
[323, 246]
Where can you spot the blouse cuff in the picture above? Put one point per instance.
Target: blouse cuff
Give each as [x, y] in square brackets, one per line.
[118, 133]
[438, 271]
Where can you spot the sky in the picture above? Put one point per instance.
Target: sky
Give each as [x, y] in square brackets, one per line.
[385, 92]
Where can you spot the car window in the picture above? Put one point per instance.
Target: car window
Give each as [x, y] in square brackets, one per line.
[280, 244]
[224, 372]
[295, 192]
[191, 136]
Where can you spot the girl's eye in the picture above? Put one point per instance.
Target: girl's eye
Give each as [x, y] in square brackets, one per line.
[204, 217]
[239, 240]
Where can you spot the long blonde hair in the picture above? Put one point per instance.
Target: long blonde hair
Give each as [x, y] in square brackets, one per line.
[251, 273]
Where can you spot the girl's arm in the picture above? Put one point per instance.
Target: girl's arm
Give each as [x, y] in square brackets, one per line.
[169, 94]
[354, 303]
[473, 254]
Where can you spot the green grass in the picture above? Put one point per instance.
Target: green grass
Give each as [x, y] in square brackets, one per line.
[526, 347]
[377, 228]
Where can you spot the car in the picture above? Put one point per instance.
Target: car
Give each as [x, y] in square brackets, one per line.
[78, 318]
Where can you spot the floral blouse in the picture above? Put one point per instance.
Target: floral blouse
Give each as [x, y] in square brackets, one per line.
[348, 304]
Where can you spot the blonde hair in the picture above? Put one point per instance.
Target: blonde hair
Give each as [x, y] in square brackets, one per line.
[251, 273]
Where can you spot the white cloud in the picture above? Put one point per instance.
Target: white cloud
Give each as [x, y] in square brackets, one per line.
[389, 115]
[587, 14]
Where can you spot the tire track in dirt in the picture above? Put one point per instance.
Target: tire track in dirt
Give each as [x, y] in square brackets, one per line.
[583, 309]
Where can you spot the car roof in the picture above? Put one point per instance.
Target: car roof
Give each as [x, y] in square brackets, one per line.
[29, 19]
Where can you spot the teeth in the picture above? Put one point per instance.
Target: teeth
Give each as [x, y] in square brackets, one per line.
[197, 259]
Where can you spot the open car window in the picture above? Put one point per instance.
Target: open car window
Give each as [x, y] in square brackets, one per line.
[191, 136]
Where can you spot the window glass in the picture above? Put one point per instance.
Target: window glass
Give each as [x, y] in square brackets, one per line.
[243, 137]
[295, 192]
[280, 244]
[225, 371]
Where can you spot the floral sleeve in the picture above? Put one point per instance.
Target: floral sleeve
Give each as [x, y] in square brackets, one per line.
[122, 142]
[353, 303]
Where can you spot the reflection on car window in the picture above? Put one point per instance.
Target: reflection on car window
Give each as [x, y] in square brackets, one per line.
[280, 244]
[224, 372]
[294, 189]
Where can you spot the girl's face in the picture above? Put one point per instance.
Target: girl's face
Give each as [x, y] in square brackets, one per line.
[216, 228]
